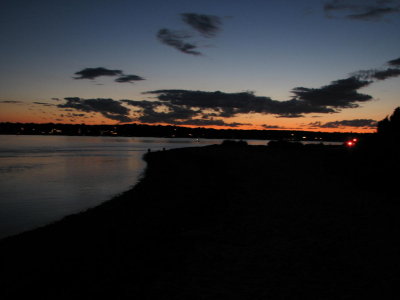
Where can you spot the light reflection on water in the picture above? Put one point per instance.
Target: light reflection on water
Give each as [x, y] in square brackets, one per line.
[44, 178]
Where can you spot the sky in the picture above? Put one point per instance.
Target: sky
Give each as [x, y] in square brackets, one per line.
[321, 65]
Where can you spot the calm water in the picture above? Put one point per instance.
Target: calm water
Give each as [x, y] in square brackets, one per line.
[44, 178]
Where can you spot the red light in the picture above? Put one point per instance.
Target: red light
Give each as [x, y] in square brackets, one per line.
[350, 144]
[355, 140]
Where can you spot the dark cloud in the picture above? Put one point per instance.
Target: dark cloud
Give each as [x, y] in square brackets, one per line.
[56, 99]
[359, 123]
[374, 13]
[291, 115]
[394, 62]
[231, 104]
[366, 10]
[331, 98]
[109, 108]
[207, 25]
[142, 103]
[374, 74]
[382, 75]
[266, 126]
[161, 112]
[169, 113]
[44, 103]
[73, 116]
[116, 117]
[129, 78]
[191, 107]
[211, 122]
[92, 73]
[177, 39]
[173, 115]
[10, 102]
[341, 93]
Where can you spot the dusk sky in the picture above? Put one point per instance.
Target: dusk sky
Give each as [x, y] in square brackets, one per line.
[326, 65]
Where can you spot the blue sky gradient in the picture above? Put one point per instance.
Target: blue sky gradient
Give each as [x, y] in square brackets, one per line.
[267, 47]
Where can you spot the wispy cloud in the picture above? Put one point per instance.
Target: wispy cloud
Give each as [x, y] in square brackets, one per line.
[109, 108]
[93, 73]
[374, 13]
[210, 122]
[394, 62]
[363, 123]
[381, 74]
[341, 93]
[365, 10]
[266, 126]
[43, 103]
[10, 102]
[129, 78]
[177, 39]
[206, 25]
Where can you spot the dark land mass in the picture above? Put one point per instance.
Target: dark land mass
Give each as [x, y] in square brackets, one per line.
[139, 130]
[231, 221]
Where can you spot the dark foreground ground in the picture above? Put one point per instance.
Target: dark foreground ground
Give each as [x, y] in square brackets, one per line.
[218, 222]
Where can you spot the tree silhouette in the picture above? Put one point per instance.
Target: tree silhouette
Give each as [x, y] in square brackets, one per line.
[389, 127]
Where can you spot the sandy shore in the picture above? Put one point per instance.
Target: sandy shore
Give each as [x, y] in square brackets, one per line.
[251, 222]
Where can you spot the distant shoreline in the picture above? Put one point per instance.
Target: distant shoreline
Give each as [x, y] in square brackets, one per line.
[138, 130]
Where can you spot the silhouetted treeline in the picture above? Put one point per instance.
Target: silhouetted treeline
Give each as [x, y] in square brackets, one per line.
[389, 127]
[139, 130]
[386, 141]
[376, 158]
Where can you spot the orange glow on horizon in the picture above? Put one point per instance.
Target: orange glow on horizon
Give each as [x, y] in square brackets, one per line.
[25, 114]
[101, 121]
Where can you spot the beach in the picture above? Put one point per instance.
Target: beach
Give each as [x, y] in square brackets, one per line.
[284, 221]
